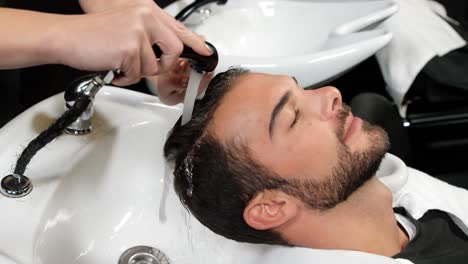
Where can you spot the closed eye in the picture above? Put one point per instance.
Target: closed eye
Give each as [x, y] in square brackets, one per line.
[296, 117]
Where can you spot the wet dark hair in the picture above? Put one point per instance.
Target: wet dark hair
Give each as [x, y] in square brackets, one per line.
[216, 180]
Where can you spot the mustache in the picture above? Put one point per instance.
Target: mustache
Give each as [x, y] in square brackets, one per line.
[342, 115]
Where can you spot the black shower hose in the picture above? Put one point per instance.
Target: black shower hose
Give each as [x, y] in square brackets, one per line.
[54, 131]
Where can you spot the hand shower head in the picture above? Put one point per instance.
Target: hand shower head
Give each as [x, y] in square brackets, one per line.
[198, 62]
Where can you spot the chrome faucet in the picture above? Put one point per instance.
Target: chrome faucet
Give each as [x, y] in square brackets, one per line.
[88, 85]
[79, 99]
[197, 11]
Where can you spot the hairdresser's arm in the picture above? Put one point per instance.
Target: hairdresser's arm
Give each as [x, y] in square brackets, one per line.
[91, 42]
[118, 38]
[28, 38]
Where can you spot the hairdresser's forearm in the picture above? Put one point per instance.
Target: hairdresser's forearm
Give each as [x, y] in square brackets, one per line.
[29, 38]
[94, 6]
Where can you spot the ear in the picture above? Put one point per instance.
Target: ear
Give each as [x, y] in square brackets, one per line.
[270, 209]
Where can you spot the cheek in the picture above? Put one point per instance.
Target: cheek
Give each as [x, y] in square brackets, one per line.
[311, 152]
[315, 155]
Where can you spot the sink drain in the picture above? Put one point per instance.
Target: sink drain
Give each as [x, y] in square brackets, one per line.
[143, 255]
[15, 186]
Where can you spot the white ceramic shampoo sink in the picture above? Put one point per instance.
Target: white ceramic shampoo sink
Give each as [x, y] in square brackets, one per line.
[313, 40]
[96, 196]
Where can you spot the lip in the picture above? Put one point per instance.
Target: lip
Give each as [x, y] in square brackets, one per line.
[352, 126]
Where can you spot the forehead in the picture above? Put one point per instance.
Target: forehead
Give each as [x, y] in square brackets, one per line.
[245, 110]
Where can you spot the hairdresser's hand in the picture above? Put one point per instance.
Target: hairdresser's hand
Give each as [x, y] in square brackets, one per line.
[171, 86]
[123, 35]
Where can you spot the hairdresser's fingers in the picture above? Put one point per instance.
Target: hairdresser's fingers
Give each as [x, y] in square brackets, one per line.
[182, 66]
[159, 33]
[187, 36]
[178, 67]
[202, 37]
[131, 68]
[171, 48]
[186, 68]
[149, 63]
[183, 82]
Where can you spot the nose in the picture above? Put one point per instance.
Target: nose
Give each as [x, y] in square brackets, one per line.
[331, 101]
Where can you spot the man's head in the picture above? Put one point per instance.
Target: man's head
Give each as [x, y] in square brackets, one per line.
[259, 149]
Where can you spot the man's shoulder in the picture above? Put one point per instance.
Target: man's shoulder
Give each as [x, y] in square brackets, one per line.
[422, 193]
[419, 192]
[398, 177]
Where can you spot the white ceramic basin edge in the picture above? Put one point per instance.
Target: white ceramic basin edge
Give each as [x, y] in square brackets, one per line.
[312, 40]
[367, 21]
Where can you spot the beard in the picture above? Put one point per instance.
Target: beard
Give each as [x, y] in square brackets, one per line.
[350, 172]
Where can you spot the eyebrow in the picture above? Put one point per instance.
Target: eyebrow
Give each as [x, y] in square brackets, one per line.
[278, 107]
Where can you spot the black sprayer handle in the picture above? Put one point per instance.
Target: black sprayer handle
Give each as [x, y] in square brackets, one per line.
[198, 62]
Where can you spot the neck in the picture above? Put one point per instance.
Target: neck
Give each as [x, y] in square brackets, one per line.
[364, 222]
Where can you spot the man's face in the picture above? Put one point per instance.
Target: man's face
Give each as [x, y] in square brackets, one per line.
[307, 136]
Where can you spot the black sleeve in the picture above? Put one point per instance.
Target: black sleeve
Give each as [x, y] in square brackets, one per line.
[164, 3]
[57, 6]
